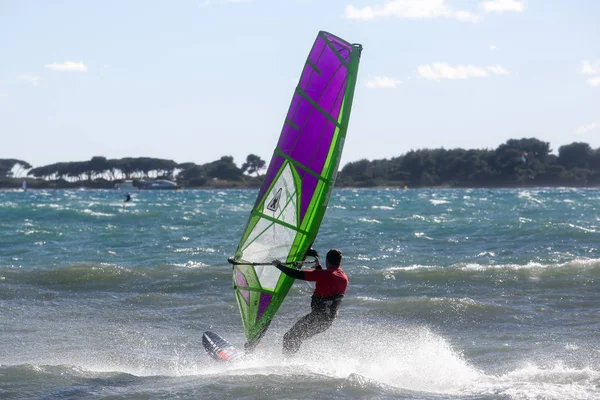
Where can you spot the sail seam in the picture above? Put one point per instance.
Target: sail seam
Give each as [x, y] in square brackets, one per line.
[314, 66]
[292, 124]
[334, 50]
[251, 289]
[301, 166]
[278, 222]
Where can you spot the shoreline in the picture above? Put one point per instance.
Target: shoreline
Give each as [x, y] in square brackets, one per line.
[15, 184]
[399, 188]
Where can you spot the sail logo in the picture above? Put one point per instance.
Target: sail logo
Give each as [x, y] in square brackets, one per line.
[274, 203]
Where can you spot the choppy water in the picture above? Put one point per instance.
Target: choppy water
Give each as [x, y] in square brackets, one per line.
[454, 294]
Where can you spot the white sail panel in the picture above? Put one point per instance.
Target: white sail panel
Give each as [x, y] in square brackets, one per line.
[270, 240]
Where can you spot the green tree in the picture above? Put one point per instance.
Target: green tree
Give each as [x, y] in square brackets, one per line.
[7, 167]
[575, 155]
[253, 165]
[193, 175]
[98, 166]
[224, 168]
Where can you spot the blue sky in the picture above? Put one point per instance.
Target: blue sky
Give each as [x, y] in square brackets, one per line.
[193, 81]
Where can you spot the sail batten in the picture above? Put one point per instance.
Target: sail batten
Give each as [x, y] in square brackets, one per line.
[293, 198]
[318, 108]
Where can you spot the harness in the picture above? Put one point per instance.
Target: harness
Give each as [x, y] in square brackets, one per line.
[326, 307]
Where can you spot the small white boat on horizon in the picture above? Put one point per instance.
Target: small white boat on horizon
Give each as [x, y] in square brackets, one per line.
[159, 184]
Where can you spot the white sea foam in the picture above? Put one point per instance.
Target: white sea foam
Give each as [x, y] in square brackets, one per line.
[580, 263]
[191, 264]
[422, 235]
[382, 208]
[438, 202]
[410, 358]
[96, 213]
[370, 220]
[581, 228]
[528, 195]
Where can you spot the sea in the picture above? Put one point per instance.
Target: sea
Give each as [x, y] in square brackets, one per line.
[454, 294]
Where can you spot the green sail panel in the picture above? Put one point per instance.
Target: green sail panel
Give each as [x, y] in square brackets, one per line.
[293, 198]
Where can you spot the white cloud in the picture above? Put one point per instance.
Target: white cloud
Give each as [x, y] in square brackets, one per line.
[410, 9]
[498, 69]
[594, 81]
[67, 66]
[420, 9]
[493, 47]
[366, 13]
[465, 16]
[381, 82]
[30, 78]
[438, 71]
[591, 67]
[500, 6]
[204, 3]
[585, 129]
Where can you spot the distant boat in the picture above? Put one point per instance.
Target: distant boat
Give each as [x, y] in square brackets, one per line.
[24, 185]
[159, 184]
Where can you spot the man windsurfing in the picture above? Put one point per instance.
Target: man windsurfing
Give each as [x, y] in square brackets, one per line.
[331, 284]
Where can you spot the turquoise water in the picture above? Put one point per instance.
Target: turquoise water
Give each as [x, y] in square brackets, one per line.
[462, 294]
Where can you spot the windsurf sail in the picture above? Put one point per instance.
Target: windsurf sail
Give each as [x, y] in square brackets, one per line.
[293, 198]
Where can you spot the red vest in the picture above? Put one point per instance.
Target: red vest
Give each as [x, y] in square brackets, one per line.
[329, 281]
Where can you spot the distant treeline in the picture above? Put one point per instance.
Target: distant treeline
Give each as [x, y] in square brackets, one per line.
[100, 172]
[518, 162]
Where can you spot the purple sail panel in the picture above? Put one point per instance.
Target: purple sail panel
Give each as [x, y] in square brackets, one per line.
[265, 300]
[308, 132]
[324, 83]
[240, 279]
[334, 90]
[337, 106]
[315, 53]
[314, 79]
[343, 48]
[316, 133]
[299, 114]
[246, 296]
[312, 135]
[322, 148]
[309, 183]
[290, 136]
[291, 133]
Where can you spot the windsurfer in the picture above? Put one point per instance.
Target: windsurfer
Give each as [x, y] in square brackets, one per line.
[331, 284]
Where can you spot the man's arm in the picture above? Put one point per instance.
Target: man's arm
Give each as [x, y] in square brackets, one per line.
[291, 272]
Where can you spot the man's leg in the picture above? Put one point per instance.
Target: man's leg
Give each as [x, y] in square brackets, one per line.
[305, 328]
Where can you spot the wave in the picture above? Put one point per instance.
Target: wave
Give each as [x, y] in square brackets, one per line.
[571, 268]
[349, 361]
[111, 277]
